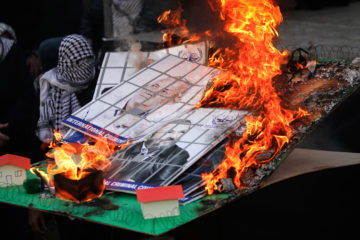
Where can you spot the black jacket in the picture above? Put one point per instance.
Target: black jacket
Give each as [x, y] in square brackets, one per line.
[17, 103]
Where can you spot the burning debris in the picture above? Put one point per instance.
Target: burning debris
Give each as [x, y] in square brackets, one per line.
[227, 185]
[328, 84]
[284, 93]
[317, 92]
[250, 66]
[89, 187]
[77, 169]
[287, 92]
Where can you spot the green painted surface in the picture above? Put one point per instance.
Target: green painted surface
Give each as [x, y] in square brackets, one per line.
[127, 216]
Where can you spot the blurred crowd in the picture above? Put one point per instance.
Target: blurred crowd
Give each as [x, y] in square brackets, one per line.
[49, 51]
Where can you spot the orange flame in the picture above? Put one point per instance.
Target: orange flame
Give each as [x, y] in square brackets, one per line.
[43, 175]
[246, 83]
[249, 67]
[175, 26]
[75, 161]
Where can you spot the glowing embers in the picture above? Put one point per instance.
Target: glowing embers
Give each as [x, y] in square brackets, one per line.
[175, 32]
[85, 189]
[77, 169]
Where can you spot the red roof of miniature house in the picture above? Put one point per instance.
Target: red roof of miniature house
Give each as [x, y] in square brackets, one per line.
[159, 193]
[15, 160]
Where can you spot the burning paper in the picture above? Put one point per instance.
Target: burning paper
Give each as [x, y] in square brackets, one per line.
[151, 98]
[251, 68]
[117, 67]
[77, 170]
[155, 112]
[169, 151]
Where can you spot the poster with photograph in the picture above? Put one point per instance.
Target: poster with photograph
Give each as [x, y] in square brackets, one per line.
[151, 98]
[168, 152]
[119, 66]
[155, 110]
[191, 179]
[199, 193]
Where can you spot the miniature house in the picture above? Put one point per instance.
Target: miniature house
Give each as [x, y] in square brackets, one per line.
[13, 169]
[160, 201]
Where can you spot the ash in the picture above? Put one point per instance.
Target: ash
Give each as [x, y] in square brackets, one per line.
[99, 205]
[318, 93]
[320, 102]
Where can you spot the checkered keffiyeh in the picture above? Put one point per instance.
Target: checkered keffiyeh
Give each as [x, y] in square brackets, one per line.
[123, 14]
[5, 46]
[7, 28]
[58, 86]
[76, 61]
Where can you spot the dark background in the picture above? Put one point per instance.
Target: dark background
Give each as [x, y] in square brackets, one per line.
[323, 204]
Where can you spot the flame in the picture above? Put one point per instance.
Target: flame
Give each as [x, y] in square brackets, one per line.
[300, 66]
[246, 83]
[175, 26]
[75, 161]
[41, 174]
[249, 66]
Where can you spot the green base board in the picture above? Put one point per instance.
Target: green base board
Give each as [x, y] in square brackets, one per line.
[128, 214]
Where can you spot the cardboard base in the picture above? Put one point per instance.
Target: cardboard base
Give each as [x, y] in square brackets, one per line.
[129, 216]
[302, 161]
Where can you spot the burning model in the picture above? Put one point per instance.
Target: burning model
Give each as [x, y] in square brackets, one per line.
[77, 169]
[247, 83]
[274, 85]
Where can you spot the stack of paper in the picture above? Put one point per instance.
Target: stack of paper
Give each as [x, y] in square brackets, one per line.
[172, 141]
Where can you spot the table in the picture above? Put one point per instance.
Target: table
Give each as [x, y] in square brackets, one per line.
[123, 211]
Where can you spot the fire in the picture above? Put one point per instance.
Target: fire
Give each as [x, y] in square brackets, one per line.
[91, 156]
[75, 161]
[175, 26]
[249, 66]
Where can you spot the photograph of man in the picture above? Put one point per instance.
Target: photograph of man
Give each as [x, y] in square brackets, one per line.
[150, 107]
[191, 179]
[154, 160]
[153, 95]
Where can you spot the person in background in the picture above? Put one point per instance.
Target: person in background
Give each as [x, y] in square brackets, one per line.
[128, 17]
[17, 99]
[35, 21]
[7, 31]
[32, 61]
[61, 87]
[62, 91]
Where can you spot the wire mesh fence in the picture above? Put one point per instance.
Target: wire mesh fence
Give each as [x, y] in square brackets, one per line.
[327, 51]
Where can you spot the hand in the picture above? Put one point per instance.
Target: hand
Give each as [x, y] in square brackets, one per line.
[34, 65]
[3, 138]
[36, 221]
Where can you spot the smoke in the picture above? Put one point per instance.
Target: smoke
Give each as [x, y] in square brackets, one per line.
[137, 58]
[202, 16]
[123, 15]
